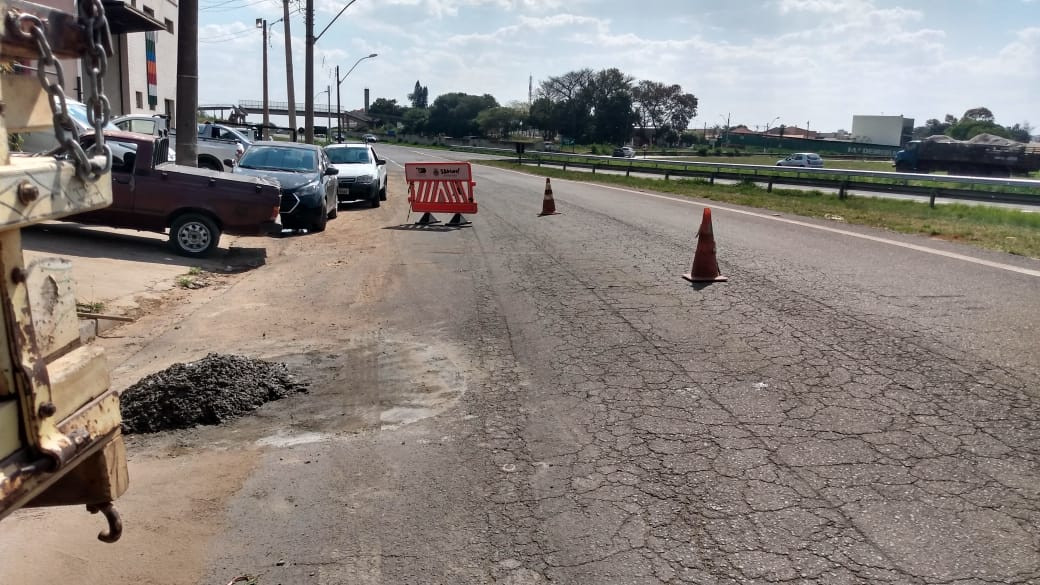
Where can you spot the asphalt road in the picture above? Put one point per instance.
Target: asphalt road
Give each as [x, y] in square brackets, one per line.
[544, 400]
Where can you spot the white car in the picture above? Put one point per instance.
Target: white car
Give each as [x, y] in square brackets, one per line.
[362, 174]
[45, 140]
[624, 152]
[370, 138]
[802, 159]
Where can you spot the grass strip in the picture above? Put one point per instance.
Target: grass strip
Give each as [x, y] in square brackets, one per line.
[1007, 230]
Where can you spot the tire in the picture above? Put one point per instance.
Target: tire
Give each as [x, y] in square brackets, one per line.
[382, 192]
[335, 210]
[208, 163]
[319, 225]
[375, 199]
[194, 235]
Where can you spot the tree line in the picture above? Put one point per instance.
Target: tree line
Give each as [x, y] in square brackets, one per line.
[605, 106]
[975, 121]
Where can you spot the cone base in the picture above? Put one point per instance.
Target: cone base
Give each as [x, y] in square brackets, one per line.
[553, 213]
[693, 278]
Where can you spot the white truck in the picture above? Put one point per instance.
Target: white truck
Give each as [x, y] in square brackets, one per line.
[217, 143]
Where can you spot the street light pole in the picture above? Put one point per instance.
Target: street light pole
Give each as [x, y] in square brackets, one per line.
[288, 68]
[308, 76]
[339, 81]
[261, 23]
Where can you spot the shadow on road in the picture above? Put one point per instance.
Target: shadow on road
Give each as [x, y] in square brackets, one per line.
[92, 242]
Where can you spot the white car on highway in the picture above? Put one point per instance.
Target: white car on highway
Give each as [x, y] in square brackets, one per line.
[802, 159]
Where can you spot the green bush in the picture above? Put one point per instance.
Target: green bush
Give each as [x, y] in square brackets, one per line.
[594, 149]
[702, 152]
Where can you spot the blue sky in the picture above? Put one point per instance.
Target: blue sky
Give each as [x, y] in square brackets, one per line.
[815, 61]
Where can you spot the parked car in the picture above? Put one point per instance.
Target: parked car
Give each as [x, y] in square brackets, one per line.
[362, 174]
[549, 146]
[802, 159]
[307, 178]
[195, 205]
[370, 138]
[212, 152]
[44, 140]
[624, 151]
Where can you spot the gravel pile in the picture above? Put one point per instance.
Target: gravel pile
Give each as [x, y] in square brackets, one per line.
[210, 391]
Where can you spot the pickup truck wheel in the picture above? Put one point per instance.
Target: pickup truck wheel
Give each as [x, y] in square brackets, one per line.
[208, 163]
[193, 234]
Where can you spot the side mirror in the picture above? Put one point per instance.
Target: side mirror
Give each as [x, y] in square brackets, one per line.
[228, 162]
[331, 171]
[380, 161]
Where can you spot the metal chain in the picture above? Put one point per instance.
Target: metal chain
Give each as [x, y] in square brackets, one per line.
[30, 27]
[99, 109]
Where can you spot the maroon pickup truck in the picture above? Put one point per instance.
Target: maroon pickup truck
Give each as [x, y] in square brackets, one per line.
[196, 205]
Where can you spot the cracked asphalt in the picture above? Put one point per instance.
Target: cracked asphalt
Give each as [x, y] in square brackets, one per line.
[777, 428]
[544, 400]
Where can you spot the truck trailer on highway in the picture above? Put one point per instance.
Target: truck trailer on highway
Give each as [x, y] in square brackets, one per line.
[984, 155]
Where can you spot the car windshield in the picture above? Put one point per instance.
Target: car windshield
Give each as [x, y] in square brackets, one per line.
[280, 158]
[78, 112]
[349, 155]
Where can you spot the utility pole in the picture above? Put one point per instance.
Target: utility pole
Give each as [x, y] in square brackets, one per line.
[264, 133]
[308, 75]
[288, 67]
[328, 102]
[339, 112]
[188, 83]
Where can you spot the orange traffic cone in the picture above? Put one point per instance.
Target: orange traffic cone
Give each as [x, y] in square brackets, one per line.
[705, 265]
[548, 205]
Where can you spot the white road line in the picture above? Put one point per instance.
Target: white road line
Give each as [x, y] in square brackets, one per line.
[915, 247]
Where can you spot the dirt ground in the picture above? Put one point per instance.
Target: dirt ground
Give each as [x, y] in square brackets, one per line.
[181, 480]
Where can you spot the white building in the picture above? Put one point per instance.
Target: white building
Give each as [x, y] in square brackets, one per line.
[144, 32]
[887, 130]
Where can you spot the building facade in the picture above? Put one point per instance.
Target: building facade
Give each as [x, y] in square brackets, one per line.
[142, 72]
[886, 130]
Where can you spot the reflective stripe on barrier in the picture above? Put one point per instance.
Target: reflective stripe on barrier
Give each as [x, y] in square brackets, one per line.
[440, 187]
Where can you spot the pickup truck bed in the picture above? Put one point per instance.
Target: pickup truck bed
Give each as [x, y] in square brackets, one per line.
[195, 205]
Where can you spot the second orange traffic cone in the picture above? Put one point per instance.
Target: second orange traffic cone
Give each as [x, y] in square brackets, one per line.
[705, 265]
[548, 204]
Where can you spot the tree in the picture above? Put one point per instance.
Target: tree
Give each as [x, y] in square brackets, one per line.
[612, 111]
[455, 114]
[968, 128]
[499, 121]
[543, 115]
[571, 98]
[979, 114]
[415, 120]
[419, 96]
[1021, 132]
[385, 107]
[659, 105]
[934, 127]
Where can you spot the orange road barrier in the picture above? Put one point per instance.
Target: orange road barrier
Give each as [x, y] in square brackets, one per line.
[705, 265]
[440, 187]
[548, 204]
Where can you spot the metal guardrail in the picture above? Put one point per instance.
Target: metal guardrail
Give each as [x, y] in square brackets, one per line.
[989, 189]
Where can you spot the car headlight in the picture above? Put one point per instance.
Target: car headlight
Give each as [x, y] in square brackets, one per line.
[364, 179]
[307, 188]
